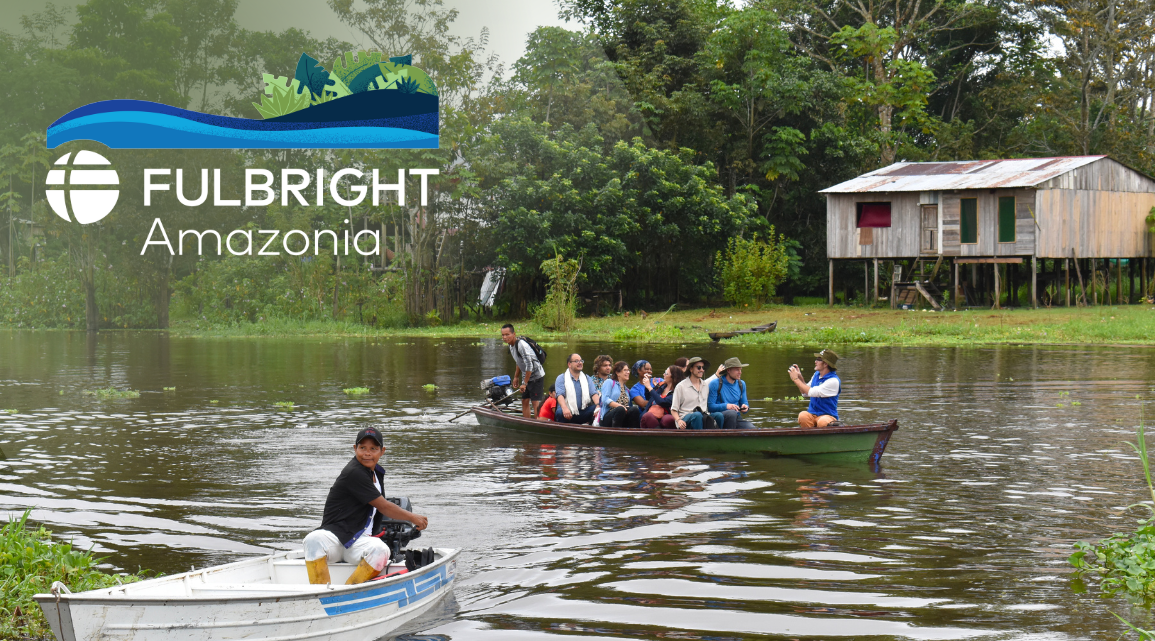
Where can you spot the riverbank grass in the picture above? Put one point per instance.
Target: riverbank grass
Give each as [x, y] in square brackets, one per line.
[797, 325]
[30, 561]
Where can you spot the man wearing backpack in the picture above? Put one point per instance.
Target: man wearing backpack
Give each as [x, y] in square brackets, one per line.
[528, 357]
[728, 396]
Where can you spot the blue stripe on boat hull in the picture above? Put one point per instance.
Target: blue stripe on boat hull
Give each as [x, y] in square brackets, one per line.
[403, 594]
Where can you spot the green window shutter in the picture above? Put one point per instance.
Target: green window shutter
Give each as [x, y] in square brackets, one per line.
[969, 230]
[1006, 219]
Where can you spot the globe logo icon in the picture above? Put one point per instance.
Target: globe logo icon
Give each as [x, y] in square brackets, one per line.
[94, 200]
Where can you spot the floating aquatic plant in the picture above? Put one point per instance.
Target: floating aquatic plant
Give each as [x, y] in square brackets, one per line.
[429, 387]
[111, 392]
[170, 389]
[214, 401]
[284, 405]
[352, 391]
[9, 411]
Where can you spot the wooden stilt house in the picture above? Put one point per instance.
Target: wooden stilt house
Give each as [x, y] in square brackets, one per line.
[1072, 215]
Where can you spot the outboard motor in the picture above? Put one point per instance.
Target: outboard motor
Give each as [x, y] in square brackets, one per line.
[398, 534]
[497, 390]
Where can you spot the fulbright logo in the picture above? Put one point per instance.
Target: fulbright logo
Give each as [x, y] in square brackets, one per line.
[91, 203]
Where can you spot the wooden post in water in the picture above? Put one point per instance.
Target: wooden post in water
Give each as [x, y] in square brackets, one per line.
[831, 283]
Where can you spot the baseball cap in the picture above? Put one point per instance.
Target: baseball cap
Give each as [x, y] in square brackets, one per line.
[370, 432]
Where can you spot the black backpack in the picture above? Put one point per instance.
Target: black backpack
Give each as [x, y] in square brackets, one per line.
[537, 350]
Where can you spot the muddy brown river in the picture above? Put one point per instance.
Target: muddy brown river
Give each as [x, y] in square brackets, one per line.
[1004, 457]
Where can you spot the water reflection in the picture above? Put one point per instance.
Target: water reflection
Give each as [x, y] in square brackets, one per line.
[1004, 457]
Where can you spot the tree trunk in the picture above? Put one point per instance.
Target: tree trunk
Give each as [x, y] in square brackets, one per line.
[163, 296]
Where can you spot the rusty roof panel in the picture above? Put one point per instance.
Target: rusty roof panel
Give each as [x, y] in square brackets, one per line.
[967, 174]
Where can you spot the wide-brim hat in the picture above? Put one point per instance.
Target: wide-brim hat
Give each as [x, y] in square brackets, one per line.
[828, 357]
[734, 362]
[697, 359]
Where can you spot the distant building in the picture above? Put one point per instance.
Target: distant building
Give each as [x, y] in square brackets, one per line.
[996, 212]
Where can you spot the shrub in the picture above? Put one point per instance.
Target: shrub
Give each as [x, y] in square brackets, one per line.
[750, 270]
[559, 309]
[29, 564]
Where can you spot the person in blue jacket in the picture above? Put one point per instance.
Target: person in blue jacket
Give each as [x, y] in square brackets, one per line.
[728, 395]
[823, 390]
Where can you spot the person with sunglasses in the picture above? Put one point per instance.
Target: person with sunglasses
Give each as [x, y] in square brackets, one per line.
[823, 390]
[577, 396]
[691, 396]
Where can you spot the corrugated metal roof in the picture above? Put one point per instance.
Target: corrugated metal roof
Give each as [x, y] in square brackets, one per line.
[962, 174]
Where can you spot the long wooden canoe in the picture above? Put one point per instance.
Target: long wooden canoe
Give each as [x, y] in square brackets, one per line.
[761, 329]
[857, 442]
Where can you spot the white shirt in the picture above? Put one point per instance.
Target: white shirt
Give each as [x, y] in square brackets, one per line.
[827, 389]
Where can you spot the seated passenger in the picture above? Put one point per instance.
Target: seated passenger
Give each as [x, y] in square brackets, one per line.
[617, 408]
[549, 407]
[657, 414]
[691, 399]
[823, 391]
[354, 510]
[640, 392]
[601, 370]
[728, 395]
[577, 397]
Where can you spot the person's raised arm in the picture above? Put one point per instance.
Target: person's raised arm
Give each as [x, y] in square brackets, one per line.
[391, 510]
[796, 378]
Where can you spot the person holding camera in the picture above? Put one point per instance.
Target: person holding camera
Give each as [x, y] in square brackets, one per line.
[823, 390]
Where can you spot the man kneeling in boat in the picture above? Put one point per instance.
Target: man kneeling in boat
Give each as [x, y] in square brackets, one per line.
[823, 390]
[354, 510]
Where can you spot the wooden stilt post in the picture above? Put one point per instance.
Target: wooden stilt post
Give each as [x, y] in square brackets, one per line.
[1118, 281]
[995, 269]
[831, 297]
[876, 281]
[1067, 280]
[1034, 282]
[866, 282]
[955, 267]
[895, 276]
[1142, 280]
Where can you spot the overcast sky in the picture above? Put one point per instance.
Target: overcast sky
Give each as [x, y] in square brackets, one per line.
[509, 21]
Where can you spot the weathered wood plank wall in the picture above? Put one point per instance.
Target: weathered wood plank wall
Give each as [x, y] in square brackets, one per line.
[1095, 224]
[843, 238]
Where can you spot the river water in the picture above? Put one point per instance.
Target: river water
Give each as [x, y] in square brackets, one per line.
[1004, 457]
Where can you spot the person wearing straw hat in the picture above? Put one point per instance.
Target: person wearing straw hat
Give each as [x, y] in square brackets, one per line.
[728, 395]
[690, 407]
[823, 390]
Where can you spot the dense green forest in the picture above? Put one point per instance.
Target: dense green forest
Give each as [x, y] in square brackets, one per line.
[638, 145]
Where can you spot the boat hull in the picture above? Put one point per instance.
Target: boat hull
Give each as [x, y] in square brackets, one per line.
[332, 613]
[851, 442]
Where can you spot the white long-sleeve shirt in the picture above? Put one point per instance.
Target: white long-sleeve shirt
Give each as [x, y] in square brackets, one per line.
[827, 389]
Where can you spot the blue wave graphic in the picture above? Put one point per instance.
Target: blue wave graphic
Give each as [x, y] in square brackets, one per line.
[130, 124]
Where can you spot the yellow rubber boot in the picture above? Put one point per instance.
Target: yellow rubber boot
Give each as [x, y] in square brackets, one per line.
[318, 571]
[363, 573]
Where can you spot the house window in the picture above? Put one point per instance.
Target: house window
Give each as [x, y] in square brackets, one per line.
[873, 215]
[1006, 219]
[969, 223]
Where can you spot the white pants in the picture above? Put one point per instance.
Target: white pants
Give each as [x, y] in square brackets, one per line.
[319, 543]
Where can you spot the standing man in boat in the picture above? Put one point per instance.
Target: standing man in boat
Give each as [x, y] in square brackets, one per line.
[577, 396]
[823, 390]
[527, 363]
[354, 510]
[728, 395]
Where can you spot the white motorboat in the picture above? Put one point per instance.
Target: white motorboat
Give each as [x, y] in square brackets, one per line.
[266, 598]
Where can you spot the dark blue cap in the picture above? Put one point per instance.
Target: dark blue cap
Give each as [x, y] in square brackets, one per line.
[370, 432]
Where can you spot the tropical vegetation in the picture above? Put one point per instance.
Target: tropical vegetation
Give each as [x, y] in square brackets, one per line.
[644, 143]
